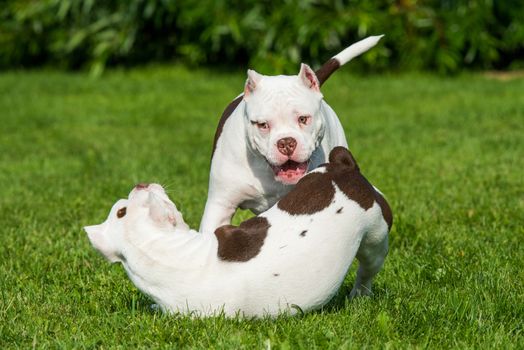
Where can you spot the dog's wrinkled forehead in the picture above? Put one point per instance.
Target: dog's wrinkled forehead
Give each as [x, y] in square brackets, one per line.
[282, 95]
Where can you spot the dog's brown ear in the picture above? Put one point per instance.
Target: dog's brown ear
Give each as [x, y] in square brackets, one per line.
[341, 155]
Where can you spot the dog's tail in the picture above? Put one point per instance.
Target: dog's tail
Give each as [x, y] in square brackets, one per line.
[345, 56]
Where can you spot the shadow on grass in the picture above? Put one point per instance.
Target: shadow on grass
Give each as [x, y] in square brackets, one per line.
[139, 304]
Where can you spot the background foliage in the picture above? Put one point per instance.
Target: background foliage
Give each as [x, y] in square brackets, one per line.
[444, 35]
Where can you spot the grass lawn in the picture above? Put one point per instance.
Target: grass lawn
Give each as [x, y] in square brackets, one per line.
[447, 152]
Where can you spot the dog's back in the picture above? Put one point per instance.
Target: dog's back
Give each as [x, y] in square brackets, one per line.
[298, 252]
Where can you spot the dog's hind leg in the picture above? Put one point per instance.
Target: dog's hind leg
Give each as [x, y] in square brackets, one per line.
[371, 254]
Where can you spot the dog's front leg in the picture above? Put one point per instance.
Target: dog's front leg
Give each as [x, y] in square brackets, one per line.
[216, 214]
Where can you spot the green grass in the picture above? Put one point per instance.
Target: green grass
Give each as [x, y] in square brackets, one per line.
[447, 152]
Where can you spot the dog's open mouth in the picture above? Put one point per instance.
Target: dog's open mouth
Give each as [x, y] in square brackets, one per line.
[290, 172]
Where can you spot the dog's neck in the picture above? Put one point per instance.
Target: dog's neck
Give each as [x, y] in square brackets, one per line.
[147, 248]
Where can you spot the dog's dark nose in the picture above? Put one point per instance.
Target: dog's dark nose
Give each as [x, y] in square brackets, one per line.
[142, 186]
[287, 146]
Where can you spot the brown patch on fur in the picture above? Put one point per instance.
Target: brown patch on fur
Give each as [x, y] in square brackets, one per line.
[315, 191]
[226, 114]
[244, 242]
[356, 186]
[326, 70]
[345, 173]
[312, 193]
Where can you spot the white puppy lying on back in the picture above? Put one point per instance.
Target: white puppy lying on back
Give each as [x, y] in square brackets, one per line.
[295, 253]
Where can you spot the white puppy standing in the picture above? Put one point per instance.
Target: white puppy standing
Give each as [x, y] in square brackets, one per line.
[270, 136]
[296, 253]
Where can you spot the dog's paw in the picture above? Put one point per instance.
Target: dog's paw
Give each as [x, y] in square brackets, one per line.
[360, 291]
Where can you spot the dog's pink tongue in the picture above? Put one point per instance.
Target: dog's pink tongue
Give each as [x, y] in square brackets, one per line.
[290, 171]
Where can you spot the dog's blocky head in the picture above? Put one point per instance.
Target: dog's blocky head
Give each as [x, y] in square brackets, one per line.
[147, 209]
[284, 120]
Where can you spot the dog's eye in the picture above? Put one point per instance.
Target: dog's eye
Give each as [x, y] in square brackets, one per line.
[121, 212]
[304, 119]
[262, 125]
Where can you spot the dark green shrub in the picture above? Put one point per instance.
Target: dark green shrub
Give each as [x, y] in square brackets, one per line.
[444, 35]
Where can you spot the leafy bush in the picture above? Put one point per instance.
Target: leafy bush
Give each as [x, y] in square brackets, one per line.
[445, 35]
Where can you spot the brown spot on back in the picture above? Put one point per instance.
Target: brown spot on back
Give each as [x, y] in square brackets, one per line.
[326, 70]
[346, 174]
[244, 242]
[315, 191]
[225, 115]
[312, 193]
[356, 186]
